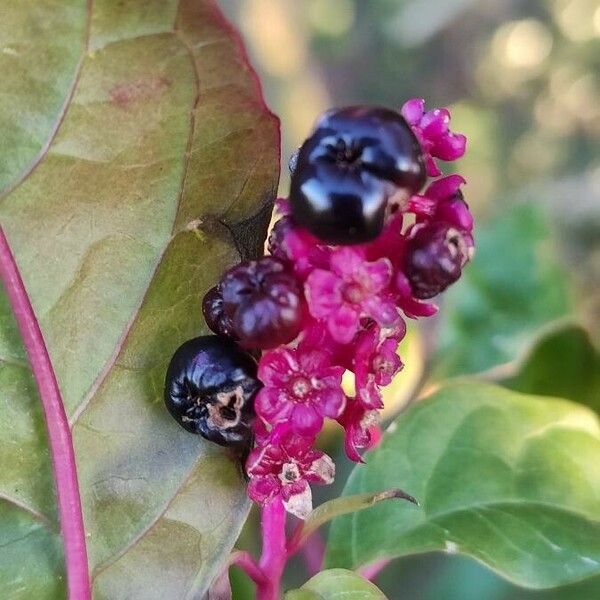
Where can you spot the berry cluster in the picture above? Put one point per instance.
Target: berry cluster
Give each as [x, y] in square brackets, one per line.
[358, 247]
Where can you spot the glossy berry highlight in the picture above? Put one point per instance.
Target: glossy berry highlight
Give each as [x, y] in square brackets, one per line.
[210, 387]
[357, 160]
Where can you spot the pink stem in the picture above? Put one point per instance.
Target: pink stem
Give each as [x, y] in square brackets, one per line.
[244, 561]
[274, 555]
[313, 551]
[371, 571]
[59, 434]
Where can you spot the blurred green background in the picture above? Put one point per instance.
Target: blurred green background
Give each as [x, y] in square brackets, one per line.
[522, 79]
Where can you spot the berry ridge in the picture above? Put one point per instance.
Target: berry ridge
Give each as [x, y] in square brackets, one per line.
[345, 270]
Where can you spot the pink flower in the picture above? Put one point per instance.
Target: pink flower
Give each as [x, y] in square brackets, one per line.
[301, 387]
[352, 288]
[285, 469]
[376, 362]
[443, 201]
[432, 131]
[362, 429]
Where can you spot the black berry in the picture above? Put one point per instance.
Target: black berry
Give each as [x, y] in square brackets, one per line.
[346, 172]
[209, 390]
[435, 256]
[264, 302]
[214, 314]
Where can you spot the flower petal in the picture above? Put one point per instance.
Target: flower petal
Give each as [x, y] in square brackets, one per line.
[323, 293]
[343, 324]
[346, 261]
[383, 310]
[412, 110]
[305, 419]
[262, 489]
[378, 274]
[445, 186]
[331, 402]
[322, 470]
[299, 505]
[272, 405]
[450, 147]
[276, 366]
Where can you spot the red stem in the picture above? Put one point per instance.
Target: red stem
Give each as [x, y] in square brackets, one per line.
[59, 434]
[274, 555]
[313, 551]
[244, 561]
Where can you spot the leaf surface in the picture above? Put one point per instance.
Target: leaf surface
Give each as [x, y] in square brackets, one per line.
[148, 169]
[336, 584]
[514, 286]
[564, 362]
[509, 479]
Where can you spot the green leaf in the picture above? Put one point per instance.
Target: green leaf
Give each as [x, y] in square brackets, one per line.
[509, 479]
[336, 584]
[148, 169]
[565, 363]
[343, 506]
[511, 289]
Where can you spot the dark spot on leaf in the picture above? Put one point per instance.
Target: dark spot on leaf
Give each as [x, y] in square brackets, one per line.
[126, 94]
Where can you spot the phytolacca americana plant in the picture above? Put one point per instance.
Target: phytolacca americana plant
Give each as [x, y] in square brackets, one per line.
[358, 247]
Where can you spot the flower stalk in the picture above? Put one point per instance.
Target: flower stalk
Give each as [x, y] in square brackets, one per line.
[59, 433]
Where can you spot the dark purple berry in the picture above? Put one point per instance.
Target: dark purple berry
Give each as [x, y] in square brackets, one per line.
[435, 256]
[209, 390]
[264, 302]
[348, 169]
[214, 314]
[276, 244]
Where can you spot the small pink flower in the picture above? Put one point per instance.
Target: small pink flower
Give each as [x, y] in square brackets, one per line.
[301, 387]
[376, 362]
[362, 429]
[352, 288]
[443, 201]
[285, 469]
[432, 131]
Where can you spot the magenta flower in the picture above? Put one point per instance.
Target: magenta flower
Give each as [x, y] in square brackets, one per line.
[432, 131]
[285, 469]
[376, 362]
[362, 429]
[352, 288]
[443, 201]
[301, 387]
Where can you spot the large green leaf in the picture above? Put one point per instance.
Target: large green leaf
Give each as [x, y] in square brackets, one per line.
[509, 479]
[336, 584]
[564, 362]
[140, 162]
[514, 285]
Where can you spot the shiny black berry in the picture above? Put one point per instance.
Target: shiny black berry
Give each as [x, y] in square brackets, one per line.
[209, 390]
[357, 160]
[264, 302]
[214, 314]
[435, 256]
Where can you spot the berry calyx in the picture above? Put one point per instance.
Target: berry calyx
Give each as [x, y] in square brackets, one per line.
[210, 387]
[264, 302]
[346, 172]
[435, 256]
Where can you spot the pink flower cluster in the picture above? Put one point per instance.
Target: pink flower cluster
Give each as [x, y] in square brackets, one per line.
[356, 299]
